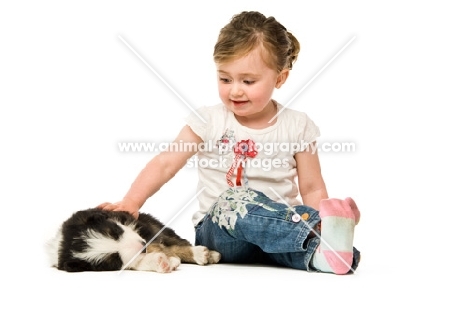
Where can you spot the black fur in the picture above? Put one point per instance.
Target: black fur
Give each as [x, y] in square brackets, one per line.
[104, 222]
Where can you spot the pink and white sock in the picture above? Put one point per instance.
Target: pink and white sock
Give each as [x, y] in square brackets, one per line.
[354, 208]
[335, 251]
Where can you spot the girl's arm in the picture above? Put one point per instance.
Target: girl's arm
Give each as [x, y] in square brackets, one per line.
[311, 184]
[155, 174]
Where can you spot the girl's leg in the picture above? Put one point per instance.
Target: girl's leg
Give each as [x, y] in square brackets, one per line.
[232, 250]
[335, 252]
[244, 225]
[328, 258]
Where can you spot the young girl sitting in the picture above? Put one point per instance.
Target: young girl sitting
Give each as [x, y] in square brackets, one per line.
[250, 207]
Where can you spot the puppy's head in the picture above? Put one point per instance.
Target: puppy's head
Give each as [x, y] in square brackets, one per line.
[100, 240]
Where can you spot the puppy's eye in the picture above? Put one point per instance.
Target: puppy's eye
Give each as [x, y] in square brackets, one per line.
[114, 231]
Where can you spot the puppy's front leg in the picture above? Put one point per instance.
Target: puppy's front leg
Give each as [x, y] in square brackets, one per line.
[202, 255]
[155, 261]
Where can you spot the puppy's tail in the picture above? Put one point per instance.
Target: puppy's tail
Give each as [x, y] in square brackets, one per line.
[52, 249]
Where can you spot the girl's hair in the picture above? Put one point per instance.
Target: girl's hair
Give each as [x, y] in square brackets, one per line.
[249, 30]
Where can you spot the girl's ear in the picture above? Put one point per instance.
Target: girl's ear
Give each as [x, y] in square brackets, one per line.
[282, 77]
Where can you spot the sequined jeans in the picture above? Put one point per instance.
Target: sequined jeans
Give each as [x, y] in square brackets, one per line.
[246, 226]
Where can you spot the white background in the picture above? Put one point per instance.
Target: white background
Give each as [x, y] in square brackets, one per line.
[70, 90]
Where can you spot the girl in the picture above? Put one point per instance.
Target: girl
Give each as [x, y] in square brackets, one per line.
[249, 206]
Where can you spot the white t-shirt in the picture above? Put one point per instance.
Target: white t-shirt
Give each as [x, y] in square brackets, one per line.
[272, 170]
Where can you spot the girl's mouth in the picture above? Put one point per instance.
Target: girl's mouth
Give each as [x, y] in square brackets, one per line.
[239, 102]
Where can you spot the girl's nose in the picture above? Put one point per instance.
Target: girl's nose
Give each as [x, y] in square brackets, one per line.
[236, 90]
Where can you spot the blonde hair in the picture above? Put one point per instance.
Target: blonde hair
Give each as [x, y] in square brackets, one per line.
[249, 30]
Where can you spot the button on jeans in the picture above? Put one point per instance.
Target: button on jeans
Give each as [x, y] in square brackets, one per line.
[246, 226]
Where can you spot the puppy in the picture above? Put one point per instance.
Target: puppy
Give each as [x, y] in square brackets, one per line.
[99, 240]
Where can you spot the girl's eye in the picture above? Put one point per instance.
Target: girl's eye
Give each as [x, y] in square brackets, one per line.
[224, 80]
[249, 82]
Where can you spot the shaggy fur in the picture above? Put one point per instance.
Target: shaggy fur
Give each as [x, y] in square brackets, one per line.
[98, 240]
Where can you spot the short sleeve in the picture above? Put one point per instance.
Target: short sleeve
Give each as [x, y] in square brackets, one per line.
[309, 132]
[199, 121]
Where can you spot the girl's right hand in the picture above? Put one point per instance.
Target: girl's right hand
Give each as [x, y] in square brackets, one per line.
[120, 206]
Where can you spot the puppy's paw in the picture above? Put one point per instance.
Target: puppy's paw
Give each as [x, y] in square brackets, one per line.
[202, 255]
[159, 262]
[174, 262]
[214, 257]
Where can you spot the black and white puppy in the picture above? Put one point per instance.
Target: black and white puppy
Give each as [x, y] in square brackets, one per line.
[99, 240]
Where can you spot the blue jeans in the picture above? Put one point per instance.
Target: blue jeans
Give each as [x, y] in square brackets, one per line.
[246, 226]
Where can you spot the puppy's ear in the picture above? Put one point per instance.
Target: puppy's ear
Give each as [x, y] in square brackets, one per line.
[92, 216]
[96, 218]
[86, 217]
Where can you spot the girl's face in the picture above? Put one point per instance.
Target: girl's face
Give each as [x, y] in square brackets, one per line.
[246, 86]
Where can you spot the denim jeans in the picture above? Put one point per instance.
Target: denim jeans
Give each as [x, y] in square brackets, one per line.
[246, 226]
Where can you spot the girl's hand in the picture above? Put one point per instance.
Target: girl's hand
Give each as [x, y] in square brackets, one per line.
[165, 165]
[123, 205]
